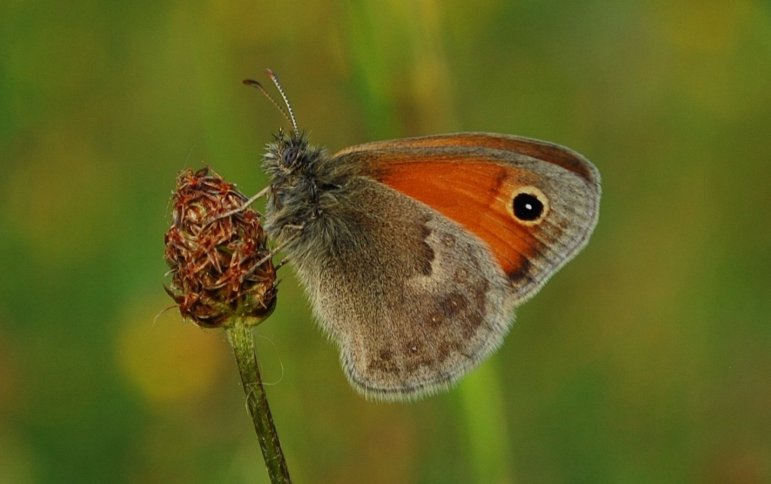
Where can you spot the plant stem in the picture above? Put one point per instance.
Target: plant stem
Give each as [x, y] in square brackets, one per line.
[240, 337]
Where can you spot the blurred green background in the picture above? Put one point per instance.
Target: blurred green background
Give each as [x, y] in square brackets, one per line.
[647, 359]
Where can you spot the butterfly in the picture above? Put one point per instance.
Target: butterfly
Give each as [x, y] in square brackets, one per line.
[416, 252]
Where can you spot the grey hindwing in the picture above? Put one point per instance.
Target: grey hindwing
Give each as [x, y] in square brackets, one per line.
[411, 298]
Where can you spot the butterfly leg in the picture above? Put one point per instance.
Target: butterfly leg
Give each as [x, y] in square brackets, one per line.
[245, 205]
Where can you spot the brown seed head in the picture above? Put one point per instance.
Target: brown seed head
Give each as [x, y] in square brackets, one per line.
[220, 265]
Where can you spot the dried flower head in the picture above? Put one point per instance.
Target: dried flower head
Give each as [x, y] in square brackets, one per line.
[220, 265]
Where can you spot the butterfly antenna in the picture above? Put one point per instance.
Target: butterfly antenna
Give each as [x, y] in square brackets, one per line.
[256, 84]
[274, 78]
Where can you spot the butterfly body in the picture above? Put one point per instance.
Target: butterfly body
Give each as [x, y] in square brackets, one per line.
[416, 252]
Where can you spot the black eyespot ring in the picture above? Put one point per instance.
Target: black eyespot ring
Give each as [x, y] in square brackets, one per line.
[529, 205]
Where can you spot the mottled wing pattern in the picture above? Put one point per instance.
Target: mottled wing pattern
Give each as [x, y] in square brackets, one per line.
[424, 284]
[413, 302]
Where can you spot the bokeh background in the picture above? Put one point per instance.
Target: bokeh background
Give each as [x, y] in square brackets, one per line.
[647, 359]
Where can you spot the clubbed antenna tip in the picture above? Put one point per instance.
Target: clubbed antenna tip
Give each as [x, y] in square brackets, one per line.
[288, 113]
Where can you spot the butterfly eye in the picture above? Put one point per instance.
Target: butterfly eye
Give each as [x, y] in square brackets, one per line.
[529, 205]
[290, 155]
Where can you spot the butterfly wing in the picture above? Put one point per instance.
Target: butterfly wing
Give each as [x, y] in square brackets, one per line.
[421, 281]
[474, 178]
[411, 298]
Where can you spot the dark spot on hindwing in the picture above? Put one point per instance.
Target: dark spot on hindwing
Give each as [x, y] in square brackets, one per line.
[415, 355]
[384, 362]
[447, 308]
[454, 303]
[455, 309]
[470, 323]
[460, 275]
[385, 366]
[480, 295]
[454, 321]
[413, 346]
[448, 240]
[448, 347]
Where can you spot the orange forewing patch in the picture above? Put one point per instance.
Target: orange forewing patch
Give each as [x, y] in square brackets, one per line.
[477, 196]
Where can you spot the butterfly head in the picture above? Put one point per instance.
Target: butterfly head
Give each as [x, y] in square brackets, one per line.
[299, 175]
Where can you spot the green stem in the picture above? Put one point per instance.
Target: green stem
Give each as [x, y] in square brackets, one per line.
[240, 337]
